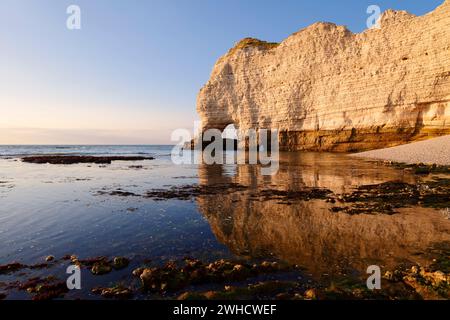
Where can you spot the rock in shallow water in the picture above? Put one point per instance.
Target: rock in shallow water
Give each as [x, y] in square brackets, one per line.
[120, 263]
[118, 292]
[55, 159]
[100, 268]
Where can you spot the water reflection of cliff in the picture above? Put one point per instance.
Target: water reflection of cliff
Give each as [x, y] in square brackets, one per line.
[307, 233]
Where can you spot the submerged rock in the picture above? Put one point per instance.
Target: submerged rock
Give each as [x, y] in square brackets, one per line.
[194, 272]
[118, 292]
[261, 290]
[311, 294]
[388, 196]
[120, 263]
[74, 259]
[11, 267]
[191, 296]
[50, 291]
[44, 288]
[137, 272]
[100, 268]
[57, 159]
[430, 285]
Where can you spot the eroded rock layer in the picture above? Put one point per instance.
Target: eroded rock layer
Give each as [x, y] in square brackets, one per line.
[326, 88]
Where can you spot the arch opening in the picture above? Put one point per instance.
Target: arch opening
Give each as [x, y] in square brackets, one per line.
[230, 137]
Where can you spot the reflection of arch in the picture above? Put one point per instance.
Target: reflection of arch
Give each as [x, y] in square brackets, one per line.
[307, 232]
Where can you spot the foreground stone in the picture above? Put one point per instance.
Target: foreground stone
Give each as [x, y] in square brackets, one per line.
[118, 292]
[120, 263]
[11, 267]
[100, 265]
[44, 288]
[100, 268]
[53, 159]
[16, 266]
[430, 285]
[267, 280]
[326, 88]
[171, 277]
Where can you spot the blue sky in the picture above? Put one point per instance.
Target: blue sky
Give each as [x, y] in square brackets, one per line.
[132, 73]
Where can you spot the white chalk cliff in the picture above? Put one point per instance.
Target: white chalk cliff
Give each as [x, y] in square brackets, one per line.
[326, 88]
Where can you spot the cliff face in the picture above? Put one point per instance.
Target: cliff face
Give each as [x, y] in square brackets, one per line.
[325, 88]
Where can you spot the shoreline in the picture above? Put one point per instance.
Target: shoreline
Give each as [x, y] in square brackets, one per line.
[195, 279]
[430, 152]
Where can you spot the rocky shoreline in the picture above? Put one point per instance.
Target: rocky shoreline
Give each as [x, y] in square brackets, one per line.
[64, 159]
[228, 279]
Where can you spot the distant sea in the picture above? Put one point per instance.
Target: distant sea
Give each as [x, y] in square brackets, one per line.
[146, 150]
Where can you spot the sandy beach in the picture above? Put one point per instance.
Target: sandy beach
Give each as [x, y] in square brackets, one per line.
[433, 151]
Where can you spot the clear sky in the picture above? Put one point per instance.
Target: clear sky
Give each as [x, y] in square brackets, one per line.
[132, 73]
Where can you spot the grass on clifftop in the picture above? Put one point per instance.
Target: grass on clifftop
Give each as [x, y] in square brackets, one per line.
[252, 42]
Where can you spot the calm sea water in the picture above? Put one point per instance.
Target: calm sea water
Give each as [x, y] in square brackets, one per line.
[57, 210]
[22, 150]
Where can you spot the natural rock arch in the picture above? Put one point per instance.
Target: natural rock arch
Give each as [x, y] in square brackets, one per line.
[326, 88]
